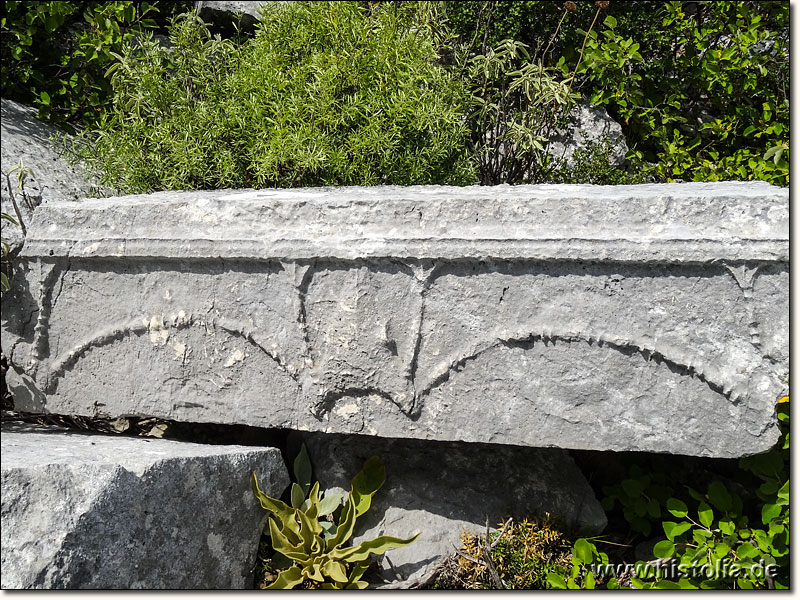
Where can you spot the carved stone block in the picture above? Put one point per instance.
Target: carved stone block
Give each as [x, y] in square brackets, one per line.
[649, 318]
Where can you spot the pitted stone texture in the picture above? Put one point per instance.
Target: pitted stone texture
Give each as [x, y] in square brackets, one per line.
[23, 137]
[84, 511]
[225, 12]
[443, 488]
[650, 318]
[589, 124]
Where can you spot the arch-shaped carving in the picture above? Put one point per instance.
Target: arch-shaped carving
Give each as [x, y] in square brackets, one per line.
[138, 327]
[677, 360]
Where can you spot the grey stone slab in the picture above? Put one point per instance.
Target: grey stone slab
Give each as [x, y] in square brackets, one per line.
[83, 511]
[588, 124]
[444, 488]
[649, 318]
[25, 138]
[225, 12]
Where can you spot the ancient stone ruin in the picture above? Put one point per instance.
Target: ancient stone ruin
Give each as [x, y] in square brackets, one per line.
[628, 318]
[651, 318]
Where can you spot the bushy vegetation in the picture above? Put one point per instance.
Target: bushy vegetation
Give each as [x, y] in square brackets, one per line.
[324, 94]
[54, 55]
[407, 92]
[709, 103]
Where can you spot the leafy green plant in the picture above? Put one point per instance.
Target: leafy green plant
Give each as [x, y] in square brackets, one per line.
[21, 174]
[580, 576]
[592, 164]
[518, 104]
[5, 285]
[711, 102]
[316, 546]
[55, 54]
[326, 93]
[716, 539]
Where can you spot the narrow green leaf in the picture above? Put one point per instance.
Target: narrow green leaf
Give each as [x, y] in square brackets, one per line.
[347, 521]
[302, 469]
[297, 496]
[366, 483]
[280, 509]
[377, 546]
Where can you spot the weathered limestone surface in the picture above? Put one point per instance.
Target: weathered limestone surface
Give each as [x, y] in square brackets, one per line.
[223, 12]
[442, 489]
[84, 511]
[25, 138]
[649, 318]
[589, 124]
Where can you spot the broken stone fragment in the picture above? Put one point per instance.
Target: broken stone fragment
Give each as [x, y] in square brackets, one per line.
[443, 488]
[626, 318]
[88, 511]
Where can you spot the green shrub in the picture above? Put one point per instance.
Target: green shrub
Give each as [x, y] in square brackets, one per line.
[517, 106]
[709, 103]
[54, 54]
[592, 164]
[326, 93]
